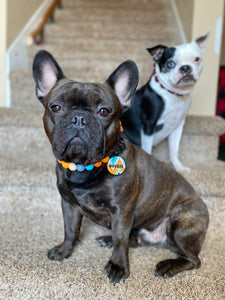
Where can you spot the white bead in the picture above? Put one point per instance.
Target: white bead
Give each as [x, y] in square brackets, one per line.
[72, 167]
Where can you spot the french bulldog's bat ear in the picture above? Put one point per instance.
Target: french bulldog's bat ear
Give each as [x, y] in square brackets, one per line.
[201, 41]
[46, 72]
[124, 81]
[156, 52]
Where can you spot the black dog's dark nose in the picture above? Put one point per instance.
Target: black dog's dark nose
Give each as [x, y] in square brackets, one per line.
[80, 121]
[185, 69]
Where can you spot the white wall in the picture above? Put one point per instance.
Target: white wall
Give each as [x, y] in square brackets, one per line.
[208, 17]
[3, 37]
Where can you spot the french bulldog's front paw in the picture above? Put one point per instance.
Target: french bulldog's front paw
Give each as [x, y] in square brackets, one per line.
[104, 241]
[116, 273]
[59, 252]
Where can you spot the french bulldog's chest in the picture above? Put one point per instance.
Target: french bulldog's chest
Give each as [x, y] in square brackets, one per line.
[175, 111]
[95, 205]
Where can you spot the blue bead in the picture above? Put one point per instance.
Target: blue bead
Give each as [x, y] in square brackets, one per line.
[80, 168]
[89, 167]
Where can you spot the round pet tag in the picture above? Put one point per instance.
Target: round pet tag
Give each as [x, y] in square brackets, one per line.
[116, 165]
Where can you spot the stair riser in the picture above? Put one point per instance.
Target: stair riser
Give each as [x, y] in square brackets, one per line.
[25, 145]
[67, 16]
[193, 149]
[103, 31]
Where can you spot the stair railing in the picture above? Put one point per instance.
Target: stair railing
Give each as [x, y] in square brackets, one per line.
[37, 35]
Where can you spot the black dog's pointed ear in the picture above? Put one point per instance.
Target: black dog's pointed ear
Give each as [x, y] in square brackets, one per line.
[201, 41]
[124, 81]
[46, 72]
[156, 52]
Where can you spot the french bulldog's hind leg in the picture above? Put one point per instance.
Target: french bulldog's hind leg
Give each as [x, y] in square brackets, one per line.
[72, 224]
[106, 241]
[170, 267]
[187, 233]
[187, 260]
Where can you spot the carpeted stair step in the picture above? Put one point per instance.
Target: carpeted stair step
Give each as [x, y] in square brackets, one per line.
[100, 30]
[128, 5]
[103, 14]
[115, 12]
[23, 91]
[199, 141]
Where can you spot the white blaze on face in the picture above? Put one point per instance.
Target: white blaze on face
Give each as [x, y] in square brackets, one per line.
[190, 55]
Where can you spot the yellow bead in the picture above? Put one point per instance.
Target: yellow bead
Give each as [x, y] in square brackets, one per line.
[65, 165]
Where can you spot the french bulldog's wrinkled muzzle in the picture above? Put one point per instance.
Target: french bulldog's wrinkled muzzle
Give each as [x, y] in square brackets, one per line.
[79, 137]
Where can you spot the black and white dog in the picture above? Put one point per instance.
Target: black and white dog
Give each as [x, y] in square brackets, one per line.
[161, 105]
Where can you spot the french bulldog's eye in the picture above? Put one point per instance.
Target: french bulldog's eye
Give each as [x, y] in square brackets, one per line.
[197, 59]
[56, 108]
[103, 112]
[171, 64]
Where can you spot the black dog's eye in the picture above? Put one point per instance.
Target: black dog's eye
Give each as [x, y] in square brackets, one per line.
[103, 112]
[197, 59]
[56, 108]
[171, 64]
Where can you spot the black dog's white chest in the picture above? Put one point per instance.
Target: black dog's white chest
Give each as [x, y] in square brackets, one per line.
[174, 111]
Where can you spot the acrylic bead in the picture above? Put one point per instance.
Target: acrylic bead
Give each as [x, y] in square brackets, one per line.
[98, 164]
[105, 160]
[72, 167]
[89, 167]
[80, 168]
[65, 165]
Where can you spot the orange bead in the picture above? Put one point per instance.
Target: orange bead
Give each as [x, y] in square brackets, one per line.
[106, 159]
[121, 127]
[98, 164]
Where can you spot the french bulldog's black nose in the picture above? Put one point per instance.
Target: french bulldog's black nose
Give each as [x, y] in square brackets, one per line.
[185, 69]
[80, 121]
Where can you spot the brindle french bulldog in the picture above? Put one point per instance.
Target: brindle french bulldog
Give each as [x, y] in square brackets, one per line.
[104, 177]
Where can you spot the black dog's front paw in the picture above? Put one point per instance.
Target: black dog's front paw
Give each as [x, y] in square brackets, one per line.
[60, 252]
[116, 273]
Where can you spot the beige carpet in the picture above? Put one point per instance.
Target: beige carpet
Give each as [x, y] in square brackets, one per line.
[90, 38]
[31, 223]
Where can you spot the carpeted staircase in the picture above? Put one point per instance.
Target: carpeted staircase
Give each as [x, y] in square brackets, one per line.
[89, 39]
